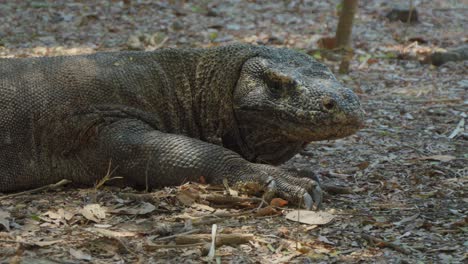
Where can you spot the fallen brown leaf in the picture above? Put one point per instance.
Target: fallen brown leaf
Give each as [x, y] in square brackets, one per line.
[310, 217]
[93, 212]
[267, 211]
[278, 202]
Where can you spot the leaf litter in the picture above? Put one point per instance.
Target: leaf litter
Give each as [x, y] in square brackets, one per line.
[400, 183]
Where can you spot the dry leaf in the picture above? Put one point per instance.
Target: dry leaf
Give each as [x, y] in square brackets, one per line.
[61, 214]
[267, 211]
[325, 240]
[443, 158]
[363, 165]
[111, 233]
[4, 222]
[141, 209]
[458, 129]
[203, 207]
[310, 217]
[278, 202]
[407, 219]
[46, 243]
[93, 212]
[188, 196]
[78, 254]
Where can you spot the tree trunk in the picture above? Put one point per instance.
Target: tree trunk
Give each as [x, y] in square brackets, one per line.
[343, 33]
[345, 24]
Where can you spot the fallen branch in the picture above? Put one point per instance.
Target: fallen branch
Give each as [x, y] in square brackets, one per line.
[333, 189]
[221, 239]
[178, 228]
[429, 101]
[177, 235]
[153, 247]
[382, 243]
[17, 242]
[40, 189]
[229, 200]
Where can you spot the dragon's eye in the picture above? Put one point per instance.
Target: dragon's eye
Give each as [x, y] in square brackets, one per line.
[274, 85]
[277, 81]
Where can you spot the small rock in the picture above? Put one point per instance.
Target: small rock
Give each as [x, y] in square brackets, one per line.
[403, 14]
[134, 43]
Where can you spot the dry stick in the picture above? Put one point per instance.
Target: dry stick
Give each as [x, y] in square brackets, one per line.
[221, 239]
[17, 242]
[222, 199]
[107, 177]
[160, 45]
[177, 235]
[179, 226]
[189, 241]
[333, 189]
[381, 243]
[212, 250]
[175, 246]
[409, 19]
[40, 189]
[426, 101]
[124, 245]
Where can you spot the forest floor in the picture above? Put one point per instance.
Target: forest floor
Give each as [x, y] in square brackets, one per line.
[407, 169]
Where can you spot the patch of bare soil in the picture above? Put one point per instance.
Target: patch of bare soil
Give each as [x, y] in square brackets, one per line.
[404, 177]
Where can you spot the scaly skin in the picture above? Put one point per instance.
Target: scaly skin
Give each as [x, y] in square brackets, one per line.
[168, 116]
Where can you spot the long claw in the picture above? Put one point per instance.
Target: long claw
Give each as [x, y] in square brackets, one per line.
[308, 201]
[271, 183]
[317, 196]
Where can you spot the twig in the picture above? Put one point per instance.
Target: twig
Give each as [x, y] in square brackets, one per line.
[177, 227]
[430, 101]
[212, 251]
[176, 235]
[222, 199]
[161, 44]
[221, 239]
[409, 19]
[124, 245]
[17, 242]
[333, 189]
[40, 189]
[381, 243]
[107, 177]
[174, 246]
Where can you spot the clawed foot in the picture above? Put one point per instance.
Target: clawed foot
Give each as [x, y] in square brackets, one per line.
[290, 186]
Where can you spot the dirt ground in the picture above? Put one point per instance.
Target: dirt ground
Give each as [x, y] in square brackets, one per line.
[405, 174]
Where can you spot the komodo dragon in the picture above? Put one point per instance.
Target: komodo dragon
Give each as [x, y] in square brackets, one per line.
[169, 116]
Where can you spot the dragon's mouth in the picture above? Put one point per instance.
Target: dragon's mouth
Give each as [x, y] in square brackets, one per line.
[323, 129]
[306, 125]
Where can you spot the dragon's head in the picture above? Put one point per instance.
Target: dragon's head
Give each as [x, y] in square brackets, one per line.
[292, 94]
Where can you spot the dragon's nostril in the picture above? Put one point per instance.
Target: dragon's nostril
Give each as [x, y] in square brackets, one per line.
[328, 103]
